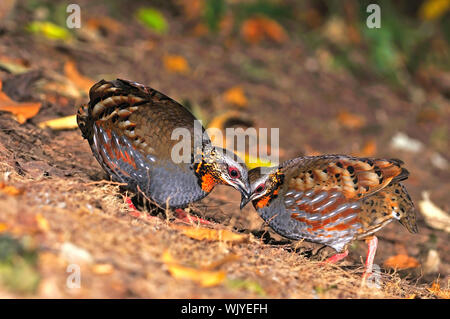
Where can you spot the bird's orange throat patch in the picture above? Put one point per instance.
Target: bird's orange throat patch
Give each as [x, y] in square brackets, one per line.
[265, 200]
[262, 202]
[208, 182]
[276, 182]
[206, 178]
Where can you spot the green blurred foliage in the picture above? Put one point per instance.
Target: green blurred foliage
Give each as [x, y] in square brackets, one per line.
[213, 13]
[276, 10]
[405, 42]
[245, 284]
[402, 43]
[152, 19]
[53, 11]
[414, 34]
[18, 264]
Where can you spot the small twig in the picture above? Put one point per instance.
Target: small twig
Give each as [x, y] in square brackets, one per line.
[105, 182]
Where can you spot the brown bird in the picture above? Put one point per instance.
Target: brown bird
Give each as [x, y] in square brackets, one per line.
[333, 200]
[129, 127]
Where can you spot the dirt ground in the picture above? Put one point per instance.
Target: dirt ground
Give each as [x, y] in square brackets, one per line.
[65, 196]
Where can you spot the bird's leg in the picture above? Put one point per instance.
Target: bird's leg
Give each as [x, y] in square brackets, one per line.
[372, 244]
[133, 211]
[179, 214]
[336, 257]
[188, 218]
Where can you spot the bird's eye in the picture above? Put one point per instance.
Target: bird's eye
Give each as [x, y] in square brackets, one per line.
[260, 188]
[233, 172]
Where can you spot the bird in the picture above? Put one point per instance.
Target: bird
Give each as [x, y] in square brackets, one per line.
[333, 200]
[130, 127]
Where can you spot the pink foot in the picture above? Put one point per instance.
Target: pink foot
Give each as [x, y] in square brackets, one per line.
[129, 203]
[187, 218]
[133, 211]
[372, 244]
[335, 258]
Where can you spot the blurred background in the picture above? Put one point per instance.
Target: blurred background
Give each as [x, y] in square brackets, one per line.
[313, 69]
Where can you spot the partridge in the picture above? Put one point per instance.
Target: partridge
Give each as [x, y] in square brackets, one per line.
[129, 128]
[333, 200]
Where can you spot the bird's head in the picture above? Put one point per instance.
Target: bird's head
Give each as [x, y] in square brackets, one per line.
[264, 186]
[219, 166]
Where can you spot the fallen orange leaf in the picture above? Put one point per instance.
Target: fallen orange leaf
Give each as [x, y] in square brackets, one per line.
[3, 227]
[103, 269]
[10, 190]
[436, 289]
[62, 123]
[22, 110]
[200, 30]
[274, 31]
[176, 63]
[192, 9]
[401, 261]
[236, 96]
[104, 22]
[369, 149]
[204, 278]
[82, 82]
[42, 223]
[433, 9]
[254, 30]
[208, 234]
[350, 120]
[14, 65]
